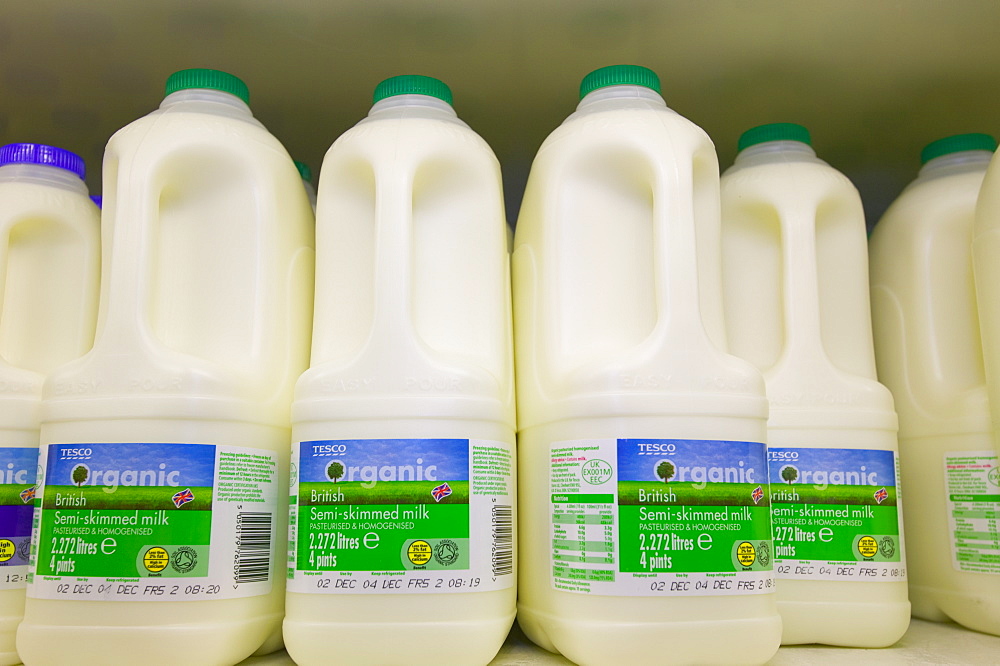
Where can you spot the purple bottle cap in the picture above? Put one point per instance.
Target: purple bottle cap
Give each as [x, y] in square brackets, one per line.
[96, 198]
[38, 153]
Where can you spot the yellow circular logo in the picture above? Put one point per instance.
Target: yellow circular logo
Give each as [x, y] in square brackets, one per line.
[419, 553]
[746, 554]
[6, 549]
[867, 546]
[155, 560]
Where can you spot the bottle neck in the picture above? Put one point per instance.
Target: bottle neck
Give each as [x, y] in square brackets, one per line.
[775, 151]
[41, 174]
[230, 105]
[609, 95]
[426, 103]
[952, 163]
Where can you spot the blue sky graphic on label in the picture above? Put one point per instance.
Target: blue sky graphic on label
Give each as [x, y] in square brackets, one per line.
[696, 461]
[821, 467]
[18, 466]
[113, 465]
[380, 460]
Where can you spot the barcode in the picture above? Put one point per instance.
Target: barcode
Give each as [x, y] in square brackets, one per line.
[503, 540]
[253, 547]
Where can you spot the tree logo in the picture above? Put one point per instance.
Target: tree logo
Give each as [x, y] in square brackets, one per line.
[335, 470]
[446, 552]
[789, 473]
[596, 471]
[80, 474]
[664, 469]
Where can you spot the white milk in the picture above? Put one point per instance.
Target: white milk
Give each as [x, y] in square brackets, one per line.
[929, 354]
[203, 327]
[622, 385]
[410, 390]
[986, 269]
[795, 272]
[50, 267]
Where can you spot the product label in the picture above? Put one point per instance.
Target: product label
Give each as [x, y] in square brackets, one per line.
[660, 517]
[399, 516]
[17, 500]
[972, 487]
[172, 522]
[836, 514]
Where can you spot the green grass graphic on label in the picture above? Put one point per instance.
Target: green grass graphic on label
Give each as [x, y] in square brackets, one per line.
[720, 494]
[396, 492]
[833, 494]
[125, 497]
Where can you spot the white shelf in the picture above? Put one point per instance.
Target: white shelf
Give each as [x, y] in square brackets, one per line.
[924, 643]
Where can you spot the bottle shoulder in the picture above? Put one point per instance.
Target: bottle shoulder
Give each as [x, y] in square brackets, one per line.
[635, 125]
[177, 126]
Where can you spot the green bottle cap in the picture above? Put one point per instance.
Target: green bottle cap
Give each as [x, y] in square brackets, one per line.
[304, 171]
[773, 132]
[619, 75]
[957, 144]
[412, 84]
[212, 79]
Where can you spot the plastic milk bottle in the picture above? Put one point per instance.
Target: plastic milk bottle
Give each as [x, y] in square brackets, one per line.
[929, 354]
[986, 269]
[645, 521]
[795, 273]
[401, 547]
[164, 450]
[50, 267]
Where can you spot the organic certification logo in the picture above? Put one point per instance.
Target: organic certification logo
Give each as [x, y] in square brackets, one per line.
[596, 472]
[763, 554]
[419, 553]
[184, 559]
[867, 546]
[446, 552]
[887, 546]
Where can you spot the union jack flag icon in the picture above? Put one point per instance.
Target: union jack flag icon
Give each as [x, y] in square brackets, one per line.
[28, 494]
[183, 497]
[441, 492]
[757, 494]
[881, 495]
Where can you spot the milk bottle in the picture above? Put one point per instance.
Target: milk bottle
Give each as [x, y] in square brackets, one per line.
[986, 269]
[929, 354]
[645, 526]
[401, 546]
[307, 182]
[796, 303]
[164, 448]
[50, 264]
